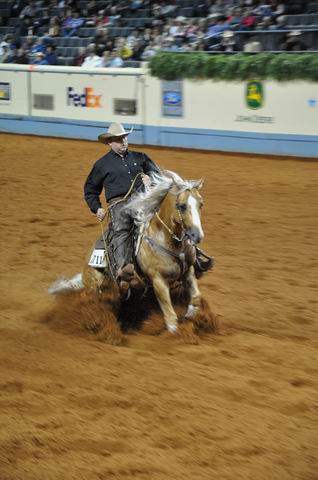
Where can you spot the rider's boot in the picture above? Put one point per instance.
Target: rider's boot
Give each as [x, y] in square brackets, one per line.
[203, 263]
[129, 275]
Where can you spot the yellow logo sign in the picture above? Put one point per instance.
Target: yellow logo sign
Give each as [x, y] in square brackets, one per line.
[254, 94]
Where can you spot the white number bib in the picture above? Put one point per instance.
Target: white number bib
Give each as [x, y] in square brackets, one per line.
[98, 259]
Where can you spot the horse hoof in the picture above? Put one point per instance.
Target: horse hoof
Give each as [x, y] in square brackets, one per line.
[191, 311]
[172, 328]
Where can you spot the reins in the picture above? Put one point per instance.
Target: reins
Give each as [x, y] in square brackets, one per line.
[173, 235]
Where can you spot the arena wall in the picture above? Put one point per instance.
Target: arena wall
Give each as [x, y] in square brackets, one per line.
[252, 117]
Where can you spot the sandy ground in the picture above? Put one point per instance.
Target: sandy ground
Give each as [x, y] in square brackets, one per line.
[241, 404]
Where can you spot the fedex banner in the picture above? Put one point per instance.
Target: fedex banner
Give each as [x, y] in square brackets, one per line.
[79, 96]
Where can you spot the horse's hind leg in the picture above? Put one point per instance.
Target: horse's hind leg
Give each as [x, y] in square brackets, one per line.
[162, 292]
[92, 278]
[191, 285]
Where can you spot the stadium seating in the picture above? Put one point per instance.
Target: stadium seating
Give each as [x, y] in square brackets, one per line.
[299, 15]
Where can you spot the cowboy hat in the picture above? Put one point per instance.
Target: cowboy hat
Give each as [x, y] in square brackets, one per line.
[227, 34]
[114, 130]
[294, 33]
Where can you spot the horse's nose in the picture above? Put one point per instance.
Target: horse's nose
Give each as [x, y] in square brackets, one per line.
[195, 234]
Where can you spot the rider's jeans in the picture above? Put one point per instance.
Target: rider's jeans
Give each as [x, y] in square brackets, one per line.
[123, 232]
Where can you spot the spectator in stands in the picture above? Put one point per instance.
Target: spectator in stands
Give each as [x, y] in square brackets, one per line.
[125, 51]
[29, 10]
[293, 42]
[105, 62]
[177, 28]
[280, 23]
[249, 20]
[72, 23]
[103, 41]
[6, 54]
[102, 19]
[26, 27]
[157, 17]
[92, 8]
[279, 8]
[234, 17]
[149, 51]
[135, 5]
[115, 13]
[228, 42]
[22, 57]
[17, 7]
[54, 27]
[38, 46]
[4, 44]
[215, 29]
[115, 59]
[80, 57]
[265, 23]
[217, 8]
[263, 9]
[169, 44]
[39, 59]
[133, 37]
[92, 60]
[201, 8]
[28, 44]
[51, 55]
[168, 8]
[146, 36]
[191, 30]
[41, 21]
[252, 45]
[138, 48]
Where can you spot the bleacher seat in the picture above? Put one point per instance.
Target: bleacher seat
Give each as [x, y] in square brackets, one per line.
[186, 12]
[13, 22]
[312, 7]
[65, 61]
[139, 13]
[184, 3]
[132, 63]
[304, 20]
[135, 22]
[87, 32]
[5, 12]
[6, 30]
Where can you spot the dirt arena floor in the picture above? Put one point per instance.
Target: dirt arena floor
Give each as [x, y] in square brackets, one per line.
[240, 404]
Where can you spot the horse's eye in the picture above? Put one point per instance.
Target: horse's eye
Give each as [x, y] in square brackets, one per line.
[201, 205]
[182, 207]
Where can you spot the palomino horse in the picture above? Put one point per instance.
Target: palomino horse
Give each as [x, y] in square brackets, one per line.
[168, 218]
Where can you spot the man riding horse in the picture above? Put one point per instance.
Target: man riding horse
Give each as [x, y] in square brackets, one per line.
[121, 172]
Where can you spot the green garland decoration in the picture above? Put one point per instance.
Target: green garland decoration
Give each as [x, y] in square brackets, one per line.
[235, 67]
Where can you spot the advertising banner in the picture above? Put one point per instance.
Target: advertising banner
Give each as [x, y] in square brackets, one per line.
[100, 98]
[13, 92]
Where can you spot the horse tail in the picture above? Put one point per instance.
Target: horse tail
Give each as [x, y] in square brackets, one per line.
[63, 285]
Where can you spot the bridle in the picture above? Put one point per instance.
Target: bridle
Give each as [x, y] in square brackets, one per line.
[180, 256]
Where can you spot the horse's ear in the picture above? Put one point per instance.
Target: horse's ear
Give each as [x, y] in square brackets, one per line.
[200, 184]
[174, 189]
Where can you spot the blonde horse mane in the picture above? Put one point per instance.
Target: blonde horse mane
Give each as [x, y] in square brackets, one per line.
[143, 205]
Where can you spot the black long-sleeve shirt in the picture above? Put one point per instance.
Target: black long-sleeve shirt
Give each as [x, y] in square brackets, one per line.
[115, 174]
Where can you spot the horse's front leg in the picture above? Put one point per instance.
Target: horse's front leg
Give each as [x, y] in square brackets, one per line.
[191, 285]
[162, 292]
